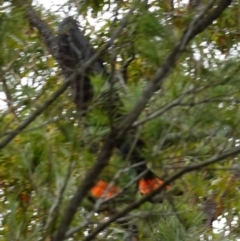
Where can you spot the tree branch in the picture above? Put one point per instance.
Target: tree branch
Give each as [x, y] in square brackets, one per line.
[199, 24]
[187, 169]
[35, 114]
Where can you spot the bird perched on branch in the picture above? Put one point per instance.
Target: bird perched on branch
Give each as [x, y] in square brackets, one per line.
[147, 182]
[74, 51]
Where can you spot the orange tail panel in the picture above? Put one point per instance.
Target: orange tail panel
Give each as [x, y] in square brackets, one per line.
[146, 186]
[99, 190]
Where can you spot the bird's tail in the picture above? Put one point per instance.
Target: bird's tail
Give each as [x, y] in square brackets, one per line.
[148, 181]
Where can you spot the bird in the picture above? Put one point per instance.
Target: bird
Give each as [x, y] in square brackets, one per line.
[74, 50]
[147, 182]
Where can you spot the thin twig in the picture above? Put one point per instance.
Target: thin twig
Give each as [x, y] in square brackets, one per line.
[53, 212]
[178, 102]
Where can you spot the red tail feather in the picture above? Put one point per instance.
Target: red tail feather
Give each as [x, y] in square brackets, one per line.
[99, 190]
[146, 186]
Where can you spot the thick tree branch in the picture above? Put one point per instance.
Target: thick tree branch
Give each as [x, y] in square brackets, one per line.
[87, 183]
[199, 24]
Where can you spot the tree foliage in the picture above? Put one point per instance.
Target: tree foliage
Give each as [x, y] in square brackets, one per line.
[190, 125]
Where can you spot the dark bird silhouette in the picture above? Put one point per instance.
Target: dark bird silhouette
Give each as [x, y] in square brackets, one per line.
[74, 51]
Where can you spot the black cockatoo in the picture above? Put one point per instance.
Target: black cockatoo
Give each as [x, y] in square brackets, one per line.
[74, 50]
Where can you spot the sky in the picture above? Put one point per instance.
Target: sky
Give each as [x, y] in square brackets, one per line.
[51, 4]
